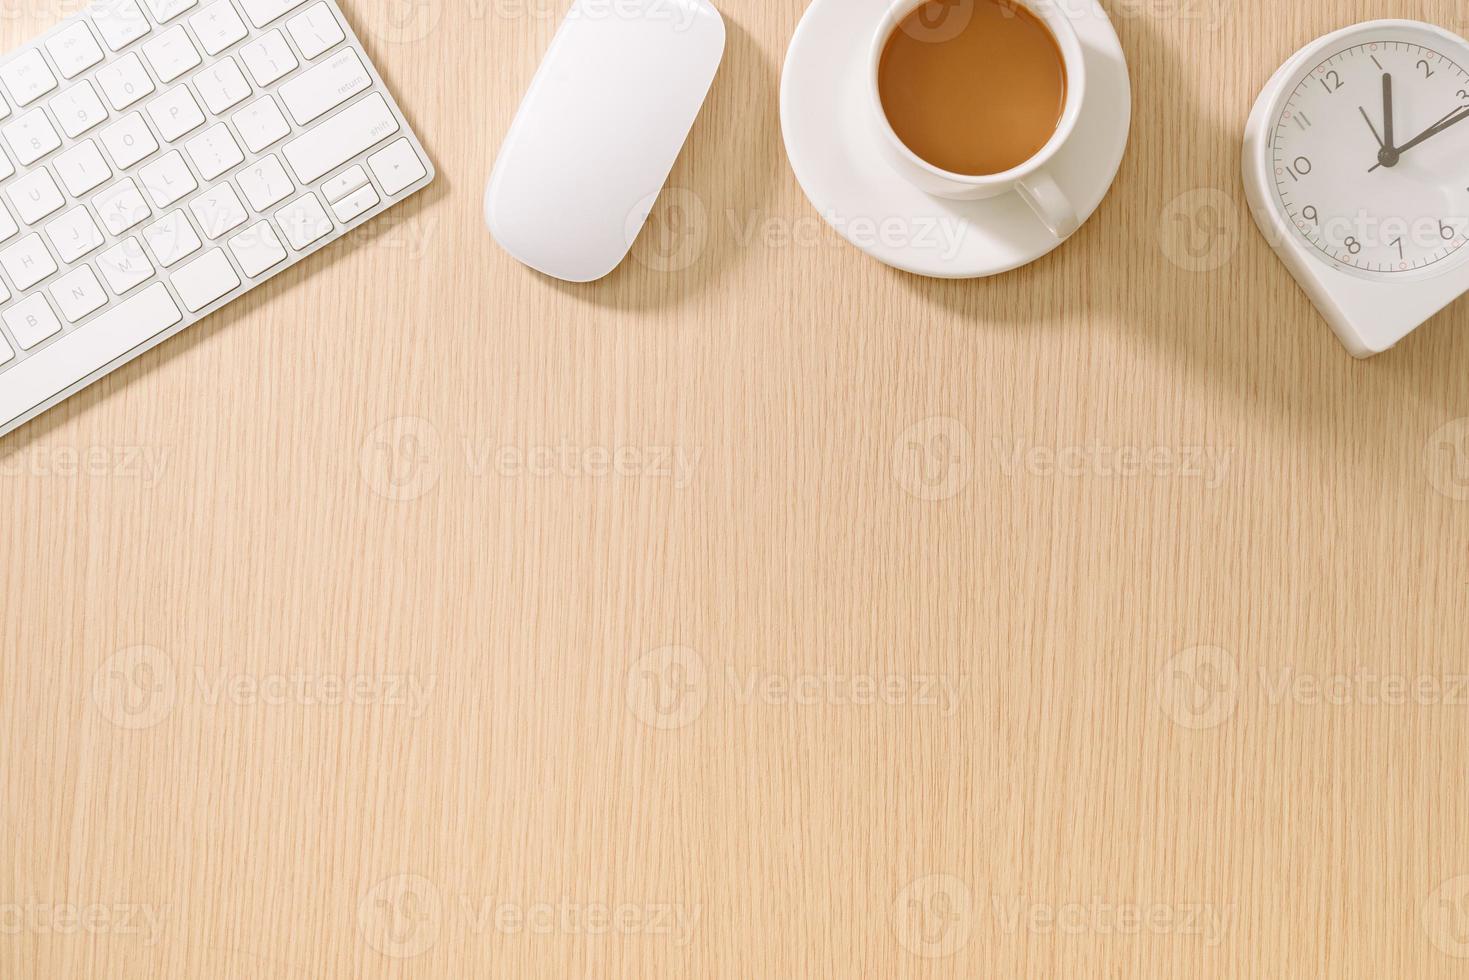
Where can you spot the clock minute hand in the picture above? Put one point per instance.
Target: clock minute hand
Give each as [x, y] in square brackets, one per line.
[1448, 121]
[1387, 133]
[1453, 119]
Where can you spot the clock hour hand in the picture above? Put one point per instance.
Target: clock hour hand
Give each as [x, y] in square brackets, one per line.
[1447, 122]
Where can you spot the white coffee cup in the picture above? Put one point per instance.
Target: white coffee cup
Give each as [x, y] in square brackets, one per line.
[1030, 179]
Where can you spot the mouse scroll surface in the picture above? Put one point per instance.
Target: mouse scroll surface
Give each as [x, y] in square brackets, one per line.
[599, 130]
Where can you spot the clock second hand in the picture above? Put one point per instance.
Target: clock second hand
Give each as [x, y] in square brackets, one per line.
[1380, 143]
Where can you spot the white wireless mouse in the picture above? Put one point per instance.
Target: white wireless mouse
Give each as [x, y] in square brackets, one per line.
[599, 131]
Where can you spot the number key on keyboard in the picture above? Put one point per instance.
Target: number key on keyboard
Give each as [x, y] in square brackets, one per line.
[31, 137]
[125, 81]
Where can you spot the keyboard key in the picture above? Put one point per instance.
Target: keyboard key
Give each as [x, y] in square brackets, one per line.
[34, 196]
[214, 151]
[218, 211]
[269, 58]
[260, 124]
[74, 234]
[78, 109]
[125, 81]
[222, 86]
[120, 22]
[343, 184]
[28, 262]
[168, 179]
[4, 108]
[356, 203]
[262, 12]
[331, 144]
[6, 169]
[171, 54]
[129, 141]
[125, 266]
[205, 280]
[27, 78]
[397, 167]
[5, 352]
[175, 113]
[31, 321]
[8, 227]
[82, 168]
[78, 294]
[121, 206]
[74, 50]
[265, 183]
[304, 222]
[217, 27]
[257, 248]
[171, 238]
[314, 93]
[315, 31]
[88, 350]
[31, 137]
[166, 10]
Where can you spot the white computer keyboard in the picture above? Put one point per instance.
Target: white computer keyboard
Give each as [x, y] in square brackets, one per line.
[159, 158]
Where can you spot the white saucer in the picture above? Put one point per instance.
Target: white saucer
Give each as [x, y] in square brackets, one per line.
[841, 165]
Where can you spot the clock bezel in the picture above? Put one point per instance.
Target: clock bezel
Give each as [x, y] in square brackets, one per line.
[1299, 69]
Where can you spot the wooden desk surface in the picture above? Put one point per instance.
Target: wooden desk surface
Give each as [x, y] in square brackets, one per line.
[761, 611]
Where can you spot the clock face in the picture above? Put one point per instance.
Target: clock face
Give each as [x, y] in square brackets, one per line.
[1370, 155]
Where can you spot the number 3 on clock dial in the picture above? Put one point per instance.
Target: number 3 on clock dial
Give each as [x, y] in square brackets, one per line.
[1370, 157]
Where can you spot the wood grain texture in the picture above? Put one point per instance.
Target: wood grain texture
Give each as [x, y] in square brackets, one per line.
[759, 611]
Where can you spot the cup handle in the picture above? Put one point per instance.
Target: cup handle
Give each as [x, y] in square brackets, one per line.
[1049, 203]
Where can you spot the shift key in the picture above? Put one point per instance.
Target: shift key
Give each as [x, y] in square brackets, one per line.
[342, 137]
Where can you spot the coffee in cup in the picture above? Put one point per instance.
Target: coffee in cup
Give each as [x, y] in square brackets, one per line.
[976, 97]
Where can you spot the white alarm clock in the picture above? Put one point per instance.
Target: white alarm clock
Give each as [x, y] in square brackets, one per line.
[1356, 166]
